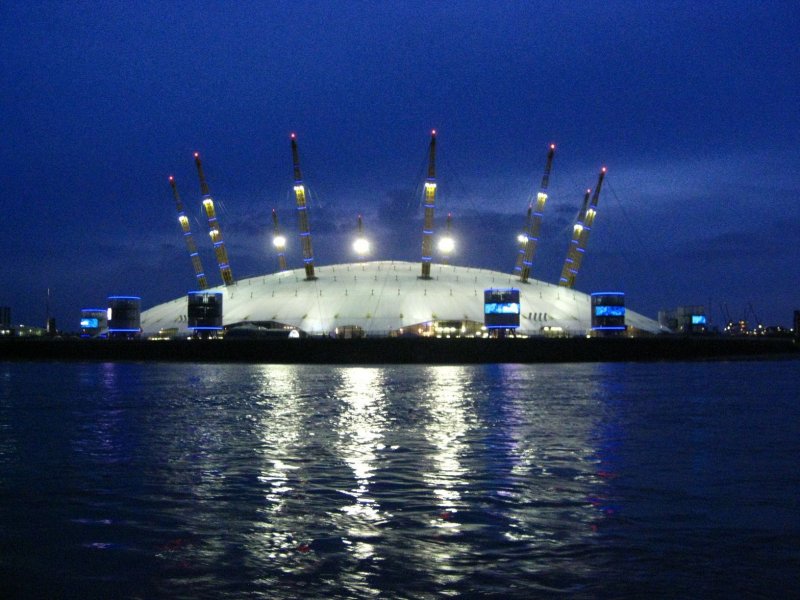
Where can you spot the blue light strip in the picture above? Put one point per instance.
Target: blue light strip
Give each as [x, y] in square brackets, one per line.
[124, 330]
[124, 297]
[609, 328]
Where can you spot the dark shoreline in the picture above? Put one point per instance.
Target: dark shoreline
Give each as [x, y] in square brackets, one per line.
[404, 350]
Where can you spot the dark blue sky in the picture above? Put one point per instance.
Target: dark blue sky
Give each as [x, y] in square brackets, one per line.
[693, 107]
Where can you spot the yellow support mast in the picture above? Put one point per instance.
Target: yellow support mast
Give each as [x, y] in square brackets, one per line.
[523, 240]
[532, 235]
[361, 243]
[302, 212]
[568, 271]
[429, 202]
[213, 226]
[187, 235]
[279, 241]
[580, 235]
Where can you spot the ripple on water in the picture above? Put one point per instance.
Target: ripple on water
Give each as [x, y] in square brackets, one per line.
[134, 480]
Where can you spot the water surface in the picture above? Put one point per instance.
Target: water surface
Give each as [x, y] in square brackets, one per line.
[577, 481]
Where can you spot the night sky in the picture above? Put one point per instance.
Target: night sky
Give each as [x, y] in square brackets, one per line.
[694, 108]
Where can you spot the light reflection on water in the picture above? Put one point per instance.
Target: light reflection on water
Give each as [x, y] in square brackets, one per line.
[360, 430]
[8, 444]
[398, 481]
[447, 425]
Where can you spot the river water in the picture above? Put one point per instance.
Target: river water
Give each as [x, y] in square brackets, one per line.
[132, 480]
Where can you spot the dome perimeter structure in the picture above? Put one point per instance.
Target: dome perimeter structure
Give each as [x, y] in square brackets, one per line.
[388, 298]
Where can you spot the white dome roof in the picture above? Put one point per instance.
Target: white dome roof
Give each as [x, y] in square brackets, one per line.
[384, 296]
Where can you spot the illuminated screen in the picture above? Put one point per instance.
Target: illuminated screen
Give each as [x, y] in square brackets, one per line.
[501, 308]
[89, 323]
[698, 319]
[609, 311]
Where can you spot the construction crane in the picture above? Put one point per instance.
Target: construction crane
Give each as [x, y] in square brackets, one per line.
[532, 234]
[302, 212]
[430, 197]
[580, 235]
[187, 235]
[213, 226]
[279, 241]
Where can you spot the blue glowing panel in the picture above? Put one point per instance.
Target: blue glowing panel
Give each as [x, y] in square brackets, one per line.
[501, 308]
[89, 323]
[698, 319]
[609, 311]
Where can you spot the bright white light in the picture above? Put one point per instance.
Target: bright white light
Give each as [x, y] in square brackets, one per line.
[522, 238]
[279, 242]
[446, 245]
[361, 246]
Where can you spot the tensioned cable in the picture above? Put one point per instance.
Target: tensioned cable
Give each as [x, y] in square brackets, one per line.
[635, 233]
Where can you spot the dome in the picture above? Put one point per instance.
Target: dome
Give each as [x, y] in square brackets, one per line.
[387, 298]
